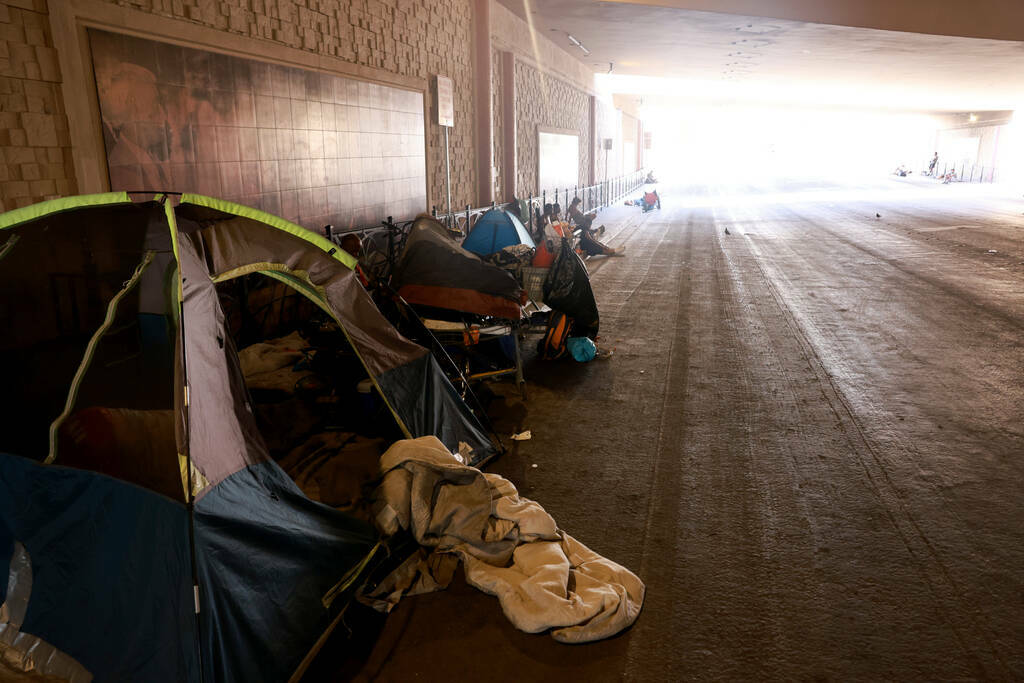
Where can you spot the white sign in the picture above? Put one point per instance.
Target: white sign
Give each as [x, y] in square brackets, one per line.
[445, 101]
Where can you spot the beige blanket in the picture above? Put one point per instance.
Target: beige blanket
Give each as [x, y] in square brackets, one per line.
[510, 547]
[269, 364]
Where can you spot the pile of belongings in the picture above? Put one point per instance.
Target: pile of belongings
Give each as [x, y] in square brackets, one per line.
[508, 545]
[435, 271]
[567, 289]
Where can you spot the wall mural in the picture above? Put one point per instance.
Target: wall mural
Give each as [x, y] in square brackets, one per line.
[311, 147]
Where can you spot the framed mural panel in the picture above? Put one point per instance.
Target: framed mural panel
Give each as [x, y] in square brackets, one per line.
[311, 147]
[558, 159]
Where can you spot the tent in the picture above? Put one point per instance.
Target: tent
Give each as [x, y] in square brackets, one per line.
[197, 557]
[495, 230]
[435, 271]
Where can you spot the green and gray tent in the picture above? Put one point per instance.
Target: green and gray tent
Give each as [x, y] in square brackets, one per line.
[109, 304]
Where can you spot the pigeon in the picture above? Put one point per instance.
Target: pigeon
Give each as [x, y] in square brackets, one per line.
[727, 231]
[878, 215]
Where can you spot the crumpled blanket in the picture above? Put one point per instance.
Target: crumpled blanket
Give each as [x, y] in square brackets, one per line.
[510, 547]
[270, 364]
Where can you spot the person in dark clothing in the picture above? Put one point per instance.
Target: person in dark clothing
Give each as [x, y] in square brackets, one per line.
[588, 234]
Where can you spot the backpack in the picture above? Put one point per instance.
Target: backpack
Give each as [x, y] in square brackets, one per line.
[552, 346]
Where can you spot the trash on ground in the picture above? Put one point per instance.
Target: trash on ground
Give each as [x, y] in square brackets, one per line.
[534, 465]
[522, 436]
[992, 251]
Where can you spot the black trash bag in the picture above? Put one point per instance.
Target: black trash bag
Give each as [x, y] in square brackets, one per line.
[567, 289]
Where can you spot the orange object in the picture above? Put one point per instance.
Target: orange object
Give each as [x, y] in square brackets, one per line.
[543, 258]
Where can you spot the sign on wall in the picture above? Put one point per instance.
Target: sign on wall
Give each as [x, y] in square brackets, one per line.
[445, 101]
[312, 147]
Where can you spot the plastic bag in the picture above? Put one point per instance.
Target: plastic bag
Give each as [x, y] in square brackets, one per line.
[582, 349]
[567, 289]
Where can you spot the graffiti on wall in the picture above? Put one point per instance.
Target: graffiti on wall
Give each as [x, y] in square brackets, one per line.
[312, 147]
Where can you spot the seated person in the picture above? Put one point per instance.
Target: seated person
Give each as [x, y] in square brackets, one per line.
[580, 219]
[650, 177]
[588, 235]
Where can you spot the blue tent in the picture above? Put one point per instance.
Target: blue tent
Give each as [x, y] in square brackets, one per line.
[494, 231]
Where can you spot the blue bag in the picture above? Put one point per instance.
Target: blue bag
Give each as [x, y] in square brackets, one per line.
[582, 349]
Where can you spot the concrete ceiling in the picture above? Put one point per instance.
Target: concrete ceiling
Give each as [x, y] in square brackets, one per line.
[732, 56]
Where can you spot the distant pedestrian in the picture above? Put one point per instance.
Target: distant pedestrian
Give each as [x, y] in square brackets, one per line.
[932, 164]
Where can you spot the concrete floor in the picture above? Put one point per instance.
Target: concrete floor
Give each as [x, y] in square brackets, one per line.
[809, 443]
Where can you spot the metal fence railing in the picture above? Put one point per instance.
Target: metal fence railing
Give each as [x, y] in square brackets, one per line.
[596, 196]
[963, 172]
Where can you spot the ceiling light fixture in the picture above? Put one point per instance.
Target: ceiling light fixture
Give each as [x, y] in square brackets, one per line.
[973, 118]
[578, 44]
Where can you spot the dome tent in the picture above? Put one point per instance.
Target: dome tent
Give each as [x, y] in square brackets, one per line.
[110, 304]
[495, 230]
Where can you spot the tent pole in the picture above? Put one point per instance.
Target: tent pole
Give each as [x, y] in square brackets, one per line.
[191, 498]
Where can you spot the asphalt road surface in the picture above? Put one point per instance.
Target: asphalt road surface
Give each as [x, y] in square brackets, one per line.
[809, 443]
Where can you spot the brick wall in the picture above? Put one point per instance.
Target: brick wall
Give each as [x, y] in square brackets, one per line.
[544, 100]
[416, 38]
[35, 149]
[511, 33]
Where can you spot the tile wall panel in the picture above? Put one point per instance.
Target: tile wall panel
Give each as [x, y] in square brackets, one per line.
[311, 147]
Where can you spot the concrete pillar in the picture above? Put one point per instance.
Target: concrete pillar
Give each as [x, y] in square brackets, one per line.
[510, 169]
[482, 100]
[595, 141]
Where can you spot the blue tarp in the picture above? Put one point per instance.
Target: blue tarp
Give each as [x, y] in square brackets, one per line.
[494, 231]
